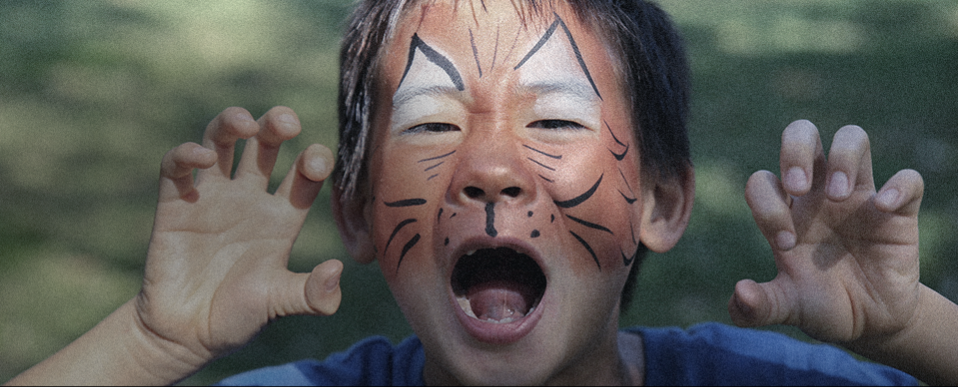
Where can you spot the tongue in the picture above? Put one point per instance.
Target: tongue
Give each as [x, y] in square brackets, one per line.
[498, 301]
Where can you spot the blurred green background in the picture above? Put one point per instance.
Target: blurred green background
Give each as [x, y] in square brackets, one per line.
[94, 92]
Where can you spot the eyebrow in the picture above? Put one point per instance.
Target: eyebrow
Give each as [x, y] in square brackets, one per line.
[405, 95]
[570, 87]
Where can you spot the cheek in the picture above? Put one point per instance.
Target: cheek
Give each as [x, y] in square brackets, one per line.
[407, 192]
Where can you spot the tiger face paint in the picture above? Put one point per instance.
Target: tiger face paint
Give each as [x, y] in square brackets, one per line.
[505, 199]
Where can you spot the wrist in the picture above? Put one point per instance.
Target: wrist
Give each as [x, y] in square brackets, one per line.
[927, 347]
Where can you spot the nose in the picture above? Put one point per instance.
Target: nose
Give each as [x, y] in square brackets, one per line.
[491, 171]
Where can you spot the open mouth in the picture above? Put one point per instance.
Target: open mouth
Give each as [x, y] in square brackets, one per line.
[498, 285]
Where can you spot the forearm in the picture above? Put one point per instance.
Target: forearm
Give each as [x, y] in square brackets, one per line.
[117, 351]
[929, 349]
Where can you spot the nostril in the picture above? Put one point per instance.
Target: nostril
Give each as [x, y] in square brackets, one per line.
[473, 192]
[512, 191]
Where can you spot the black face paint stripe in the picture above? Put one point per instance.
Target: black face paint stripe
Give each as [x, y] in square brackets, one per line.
[627, 185]
[541, 164]
[613, 134]
[628, 260]
[589, 224]
[475, 52]
[405, 249]
[578, 55]
[619, 157]
[396, 231]
[575, 49]
[495, 51]
[491, 219]
[437, 157]
[542, 41]
[588, 248]
[546, 179]
[436, 58]
[431, 177]
[581, 198]
[557, 157]
[433, 166]
[627, 199]
[406, 203]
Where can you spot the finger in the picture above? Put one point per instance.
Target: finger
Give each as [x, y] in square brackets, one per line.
[801, 150]
[306, 177]
[221, 135]
[259, 156]
[901, 194]
[770, 209]
[176, 170]
[849, 163]
[315, 293]
[754, 304]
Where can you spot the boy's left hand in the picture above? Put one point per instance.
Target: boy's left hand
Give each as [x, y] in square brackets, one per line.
[847, 256]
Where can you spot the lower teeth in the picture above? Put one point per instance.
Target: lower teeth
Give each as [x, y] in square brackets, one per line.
[467, 307]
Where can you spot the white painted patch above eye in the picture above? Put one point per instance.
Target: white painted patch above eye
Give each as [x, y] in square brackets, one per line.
[420, 94]
[563, 90]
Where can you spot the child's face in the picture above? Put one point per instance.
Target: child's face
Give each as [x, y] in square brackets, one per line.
[505, 203]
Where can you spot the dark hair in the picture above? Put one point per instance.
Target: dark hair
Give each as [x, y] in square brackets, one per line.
[653, 63]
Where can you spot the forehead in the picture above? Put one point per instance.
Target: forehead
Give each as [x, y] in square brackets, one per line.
[485, 39]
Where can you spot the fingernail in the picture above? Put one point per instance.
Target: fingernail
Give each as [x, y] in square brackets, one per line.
[889, 197]
[785, 240]
[318, 165]
[286, 118]
[838, 186]
[795, 179]
[332, 283]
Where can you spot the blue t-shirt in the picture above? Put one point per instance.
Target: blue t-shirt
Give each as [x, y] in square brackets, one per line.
[706, 354]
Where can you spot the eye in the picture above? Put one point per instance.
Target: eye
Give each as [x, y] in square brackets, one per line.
[555, 124]
[433, 127]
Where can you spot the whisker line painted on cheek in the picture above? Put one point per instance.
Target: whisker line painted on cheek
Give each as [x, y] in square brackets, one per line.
[405, 249]
[627, 185]
[618, 156]
[433, 166]
[541, 164]
[588, 248]
[396, 231]
[627, 199]
[581, 198]
[406, 203]
[546, 179]
[590, 224]
[613, 134]
[437, 157]
[557, 157]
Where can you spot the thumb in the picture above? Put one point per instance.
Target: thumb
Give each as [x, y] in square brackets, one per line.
[754, 304]
[315, 293]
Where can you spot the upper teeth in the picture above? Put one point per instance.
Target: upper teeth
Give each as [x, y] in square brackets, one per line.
[471, 252]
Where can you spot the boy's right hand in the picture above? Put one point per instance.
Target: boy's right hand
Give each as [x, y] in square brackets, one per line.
[216, 270]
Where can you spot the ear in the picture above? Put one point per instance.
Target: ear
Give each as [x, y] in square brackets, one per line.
[354, 230]
[667, 206]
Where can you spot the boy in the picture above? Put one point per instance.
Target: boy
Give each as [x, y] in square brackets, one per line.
[507, 164]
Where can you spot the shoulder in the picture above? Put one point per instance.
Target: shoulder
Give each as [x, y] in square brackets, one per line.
[719, 354]
[373, 361]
